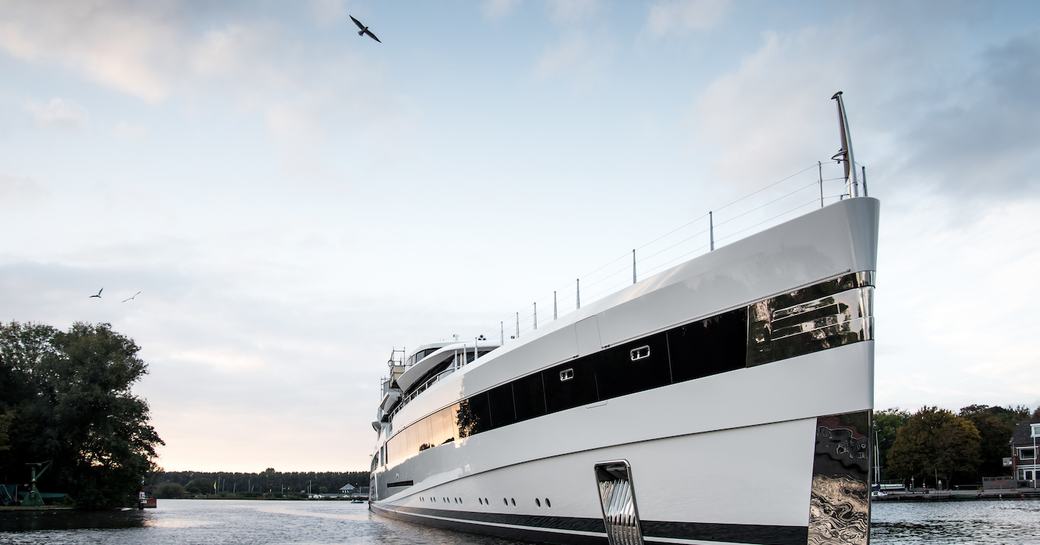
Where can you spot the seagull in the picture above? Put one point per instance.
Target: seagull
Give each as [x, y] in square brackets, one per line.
[364, 29]
[98, 294]
[132, 297]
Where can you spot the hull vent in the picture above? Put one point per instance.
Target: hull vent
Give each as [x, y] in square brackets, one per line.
[617, 499]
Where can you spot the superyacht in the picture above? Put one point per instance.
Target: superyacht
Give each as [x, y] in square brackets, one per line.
[727, 399]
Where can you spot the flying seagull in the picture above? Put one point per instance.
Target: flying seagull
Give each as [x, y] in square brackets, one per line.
[364, 29]
[132, 297]
[98, 294]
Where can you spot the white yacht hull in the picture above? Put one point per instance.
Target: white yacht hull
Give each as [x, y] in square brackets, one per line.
[772, 452]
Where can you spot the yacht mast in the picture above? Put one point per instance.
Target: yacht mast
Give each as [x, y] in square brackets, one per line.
[844, 154]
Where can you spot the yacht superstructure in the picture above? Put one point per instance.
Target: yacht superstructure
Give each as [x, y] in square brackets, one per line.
[724, 400]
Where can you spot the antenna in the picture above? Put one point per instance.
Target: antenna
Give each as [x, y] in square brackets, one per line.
[844, 154]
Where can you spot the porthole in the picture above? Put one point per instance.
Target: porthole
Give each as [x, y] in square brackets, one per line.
[513, 501]
[538, 502]
[480, 501]
[547, 504]
[505, 501]
[486, 502]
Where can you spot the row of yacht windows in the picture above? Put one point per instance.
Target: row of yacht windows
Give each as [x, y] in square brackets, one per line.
[699, 349]
[421, 354]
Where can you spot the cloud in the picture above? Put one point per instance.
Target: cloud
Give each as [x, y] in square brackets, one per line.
[941, 126]
[57, 112]
[577, 57]
[129, 131]
[572, 11]
[327, 12]
[498, 9]
[943, 330]
[676, 16]
[18, 193]
[772, 114]
[130, 46]
[300, 90]
[981, 138]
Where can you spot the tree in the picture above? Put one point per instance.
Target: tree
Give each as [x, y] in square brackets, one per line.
[886, 424]
[168, 490]
[935, 443]
[200, 486]
[71, 400]
[1036, 415]
[995, 425]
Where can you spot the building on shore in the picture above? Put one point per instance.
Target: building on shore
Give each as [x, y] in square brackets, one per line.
[1024, 463]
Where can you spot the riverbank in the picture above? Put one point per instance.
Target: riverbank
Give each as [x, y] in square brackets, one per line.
[960, 495]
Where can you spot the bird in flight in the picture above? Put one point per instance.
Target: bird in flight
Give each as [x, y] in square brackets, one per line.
[364, 29]
[132, 297]
[98, 294]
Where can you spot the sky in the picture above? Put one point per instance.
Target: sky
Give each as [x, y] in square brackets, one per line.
[293, 200]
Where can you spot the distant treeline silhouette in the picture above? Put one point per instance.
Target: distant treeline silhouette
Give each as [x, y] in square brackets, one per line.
[268, 483]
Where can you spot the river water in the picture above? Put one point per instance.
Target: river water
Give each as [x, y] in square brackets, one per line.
[214, 522]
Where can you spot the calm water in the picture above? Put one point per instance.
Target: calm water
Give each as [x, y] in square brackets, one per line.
[191, 522]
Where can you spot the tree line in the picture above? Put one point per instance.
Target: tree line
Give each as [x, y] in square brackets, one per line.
[935, 444]
[266, 484]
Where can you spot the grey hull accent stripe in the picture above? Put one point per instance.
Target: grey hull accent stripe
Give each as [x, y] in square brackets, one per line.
[702, 531]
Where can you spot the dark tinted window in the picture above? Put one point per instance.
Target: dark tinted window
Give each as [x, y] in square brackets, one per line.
[501, 400]
[633, 367]
[474, 415]
[529, 396]
[570, 384]
[708, 347]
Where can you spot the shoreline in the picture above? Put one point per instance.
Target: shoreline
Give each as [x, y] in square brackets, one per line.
[959, 495]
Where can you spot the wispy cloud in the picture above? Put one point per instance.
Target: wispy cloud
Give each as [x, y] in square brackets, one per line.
[129, 46]
[18, 193]
[677, 16]
[578, 57]
[57, 112]
[572, 11]
[129, 131]
[498, 9]
[158, 51]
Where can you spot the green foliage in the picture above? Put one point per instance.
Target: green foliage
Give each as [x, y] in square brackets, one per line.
[886, 424]
[168, 490]
[200, 486]
[6, 418]
[935, 443]
[69, 394]
[995, 425]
